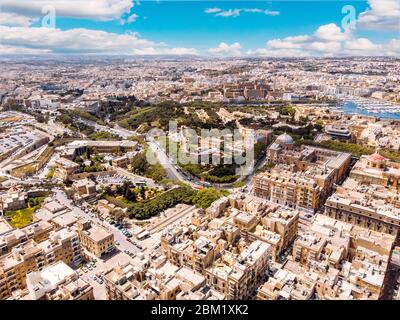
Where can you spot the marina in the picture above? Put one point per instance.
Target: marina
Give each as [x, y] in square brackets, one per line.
[369, 107]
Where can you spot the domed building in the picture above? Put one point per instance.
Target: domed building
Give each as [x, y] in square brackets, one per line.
[283, 144]
[284, 139]
[376, 169]
[376, 161]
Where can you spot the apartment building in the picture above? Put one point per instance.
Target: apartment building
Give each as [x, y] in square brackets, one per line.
[37, 231]
[303, 190]
[365, 209]
[95, 239]
[14, 266]
[55, 282]
[84, 189]
[344, 261]
[29, 256]
[286, 285]
[65, 168]
[302, 158]
[13, 200]
[235, 275]
[62, 245]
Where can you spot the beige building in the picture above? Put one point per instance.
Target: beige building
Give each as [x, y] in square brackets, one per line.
[29, 256]
[65, 168]
[236, 275]
[375, 169]
[37, 231]
[84, 189]
[345, 261]
[95, 239]
[286, 285]
[366, 206]
[302, 190]
[301, 158]
[80, 146]
[13, 200]
[55, 282]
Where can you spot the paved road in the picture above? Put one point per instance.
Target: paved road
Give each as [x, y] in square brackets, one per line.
[165, 161]
[136, 178]
[117, 130]
[121, 241]
[163, 158]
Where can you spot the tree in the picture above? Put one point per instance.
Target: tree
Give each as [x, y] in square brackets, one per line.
[118, 215]
[142, 192]
[129, 195]
[206, 197]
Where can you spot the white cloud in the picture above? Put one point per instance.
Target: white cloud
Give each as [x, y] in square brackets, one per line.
[236, 12]
[272, 13]
[18, 50]
[212, 10]
[325, 48]
[327, 40]
[229, 13]
[82, 41]
[132, 18]
[295, 42]
[90, 9]
[361, 44]
[382, 15]
[15, 20]
[393, 47]
[225, 49]
[253, 10]
[330, 32]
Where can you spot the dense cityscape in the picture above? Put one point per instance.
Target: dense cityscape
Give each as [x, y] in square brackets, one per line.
[86, 215]
[199, 158]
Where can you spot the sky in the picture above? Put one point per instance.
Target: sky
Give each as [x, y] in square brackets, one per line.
[322, 28]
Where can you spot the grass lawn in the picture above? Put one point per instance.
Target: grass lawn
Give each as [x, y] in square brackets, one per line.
[23, 217]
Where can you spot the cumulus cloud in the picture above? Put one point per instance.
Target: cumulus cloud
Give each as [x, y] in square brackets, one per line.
[382, 15]
[102, 10]
[81, 41]
[236, 12]
[14, 20]
[132, 18]
[327, 40]
[225, 49]
[331, 32]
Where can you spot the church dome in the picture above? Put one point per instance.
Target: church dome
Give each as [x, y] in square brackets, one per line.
[284, 139]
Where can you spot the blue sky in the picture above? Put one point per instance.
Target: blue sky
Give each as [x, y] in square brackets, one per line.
[201, 27]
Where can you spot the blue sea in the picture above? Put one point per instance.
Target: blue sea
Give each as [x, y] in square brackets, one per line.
[351, 108]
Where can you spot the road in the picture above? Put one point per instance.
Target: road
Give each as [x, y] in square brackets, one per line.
[117, 130]
[164, 159]
[136, 178]
[121, 241]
